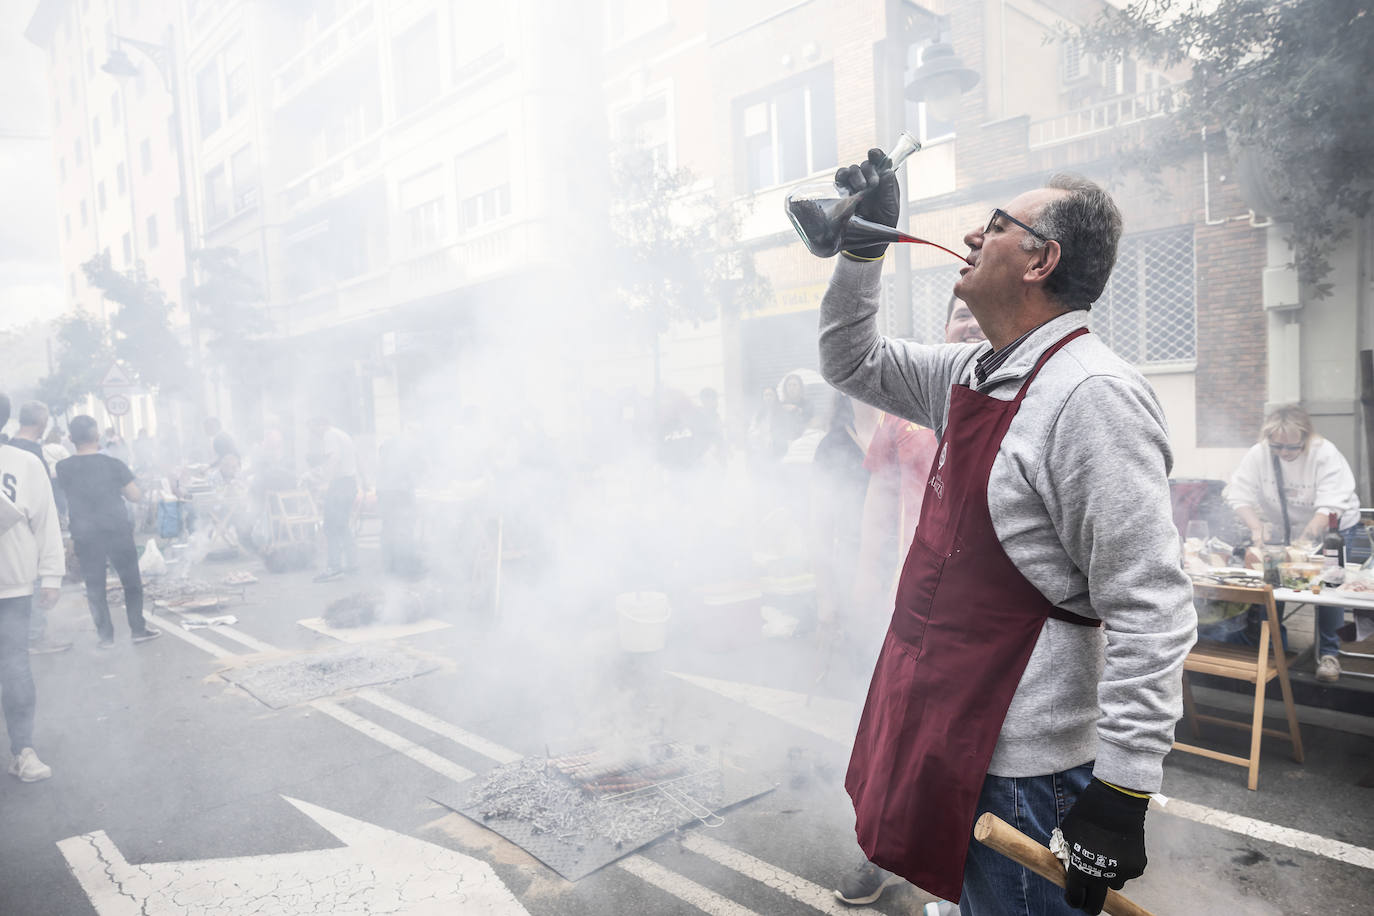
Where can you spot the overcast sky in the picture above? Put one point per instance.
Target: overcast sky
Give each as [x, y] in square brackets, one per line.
[30, 272]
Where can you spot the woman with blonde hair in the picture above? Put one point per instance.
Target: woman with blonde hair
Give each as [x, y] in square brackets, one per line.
[1284, 491]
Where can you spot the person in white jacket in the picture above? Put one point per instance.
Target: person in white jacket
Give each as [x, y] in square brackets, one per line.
[1285, 490]
[30, 548]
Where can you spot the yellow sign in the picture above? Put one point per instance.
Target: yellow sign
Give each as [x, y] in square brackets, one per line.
[795, 299]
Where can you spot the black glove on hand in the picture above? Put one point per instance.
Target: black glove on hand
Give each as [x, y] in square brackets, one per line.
[882, 204]
[1105, 833]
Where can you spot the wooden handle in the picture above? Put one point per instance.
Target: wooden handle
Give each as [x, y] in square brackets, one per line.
[995, 833]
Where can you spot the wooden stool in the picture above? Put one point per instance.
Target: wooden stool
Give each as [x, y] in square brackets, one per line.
[1256, 666]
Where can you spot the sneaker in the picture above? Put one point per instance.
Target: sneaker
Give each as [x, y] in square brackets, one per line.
[46, 646]
[329, 575]
[1328, 668]
[28, 767]
[147, 634]
[865, 885]
[106, 642]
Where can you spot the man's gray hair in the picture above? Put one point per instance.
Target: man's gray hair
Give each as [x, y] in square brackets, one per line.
[1087, 225]
[33, 413]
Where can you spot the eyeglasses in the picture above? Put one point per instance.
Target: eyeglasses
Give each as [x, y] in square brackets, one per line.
[999, 212]
[1288, 449]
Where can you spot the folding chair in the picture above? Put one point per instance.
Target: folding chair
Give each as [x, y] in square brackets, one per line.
[1242, 663]
[293, 515]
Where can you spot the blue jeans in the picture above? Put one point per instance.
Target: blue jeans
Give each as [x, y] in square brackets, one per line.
[38, 618]
[995, 885]
[17, 694]
[1330, 619]
[338, 537]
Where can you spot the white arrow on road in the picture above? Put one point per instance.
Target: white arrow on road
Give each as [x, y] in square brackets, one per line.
[377, 871]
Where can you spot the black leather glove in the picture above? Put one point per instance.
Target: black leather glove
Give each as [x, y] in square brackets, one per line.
[882, 204]
[1105, 834]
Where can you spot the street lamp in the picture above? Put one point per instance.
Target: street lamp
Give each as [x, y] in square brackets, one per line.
[163, 57]
[935, 83]
[119, 64]
[940, 80]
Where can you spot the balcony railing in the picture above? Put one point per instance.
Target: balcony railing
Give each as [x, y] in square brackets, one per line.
[504, 248]
[345, 35]
[339, 301]
[1102, 116]
[335, 175]
[482, 254]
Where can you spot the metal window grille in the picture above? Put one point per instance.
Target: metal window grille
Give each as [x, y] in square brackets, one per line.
[1148, 312]
[930, 292]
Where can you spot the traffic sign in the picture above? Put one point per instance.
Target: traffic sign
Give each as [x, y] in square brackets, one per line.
[116, 377]
[117, 405]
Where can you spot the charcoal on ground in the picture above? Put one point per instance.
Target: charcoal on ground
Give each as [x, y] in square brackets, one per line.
[627, 803]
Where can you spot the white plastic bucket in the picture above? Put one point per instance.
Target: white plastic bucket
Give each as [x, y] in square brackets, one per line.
[643, 618]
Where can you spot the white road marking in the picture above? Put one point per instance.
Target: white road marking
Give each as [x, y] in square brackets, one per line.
[202, 644]
[374, 632]
[1260, 830]
[238, 636]
[828, 718]
[836, 720]
[685, 889]
[799, 889]
[94, 858]
[440, 727]
[376, 871]
[421, 755]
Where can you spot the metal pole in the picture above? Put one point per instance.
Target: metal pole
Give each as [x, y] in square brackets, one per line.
[188, 249]
[894, 113]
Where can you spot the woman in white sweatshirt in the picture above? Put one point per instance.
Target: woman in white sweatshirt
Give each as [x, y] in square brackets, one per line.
[1284, 491]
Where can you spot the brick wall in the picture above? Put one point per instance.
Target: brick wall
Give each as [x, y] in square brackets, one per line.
[1231, 359]
[993, 152]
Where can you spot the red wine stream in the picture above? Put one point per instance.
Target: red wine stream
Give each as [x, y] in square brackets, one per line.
[903, 237]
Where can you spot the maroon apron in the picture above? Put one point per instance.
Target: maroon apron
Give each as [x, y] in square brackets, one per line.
[962, 631]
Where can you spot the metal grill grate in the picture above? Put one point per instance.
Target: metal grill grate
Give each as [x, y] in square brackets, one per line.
[1148, 312]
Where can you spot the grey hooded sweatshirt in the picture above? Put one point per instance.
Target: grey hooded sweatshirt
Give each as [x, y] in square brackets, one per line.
[1079, 497]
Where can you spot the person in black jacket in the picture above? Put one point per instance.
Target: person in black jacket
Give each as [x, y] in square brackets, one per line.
[97, 485]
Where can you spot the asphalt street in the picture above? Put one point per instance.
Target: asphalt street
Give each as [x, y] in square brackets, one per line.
[175, 791]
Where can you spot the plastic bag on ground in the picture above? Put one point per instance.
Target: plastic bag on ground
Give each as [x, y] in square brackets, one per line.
[152, 563]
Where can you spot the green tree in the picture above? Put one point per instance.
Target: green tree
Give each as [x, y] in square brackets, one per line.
[142, 336]
[230, 307]
[676, 251]
[25, 352]
[1288, 82]
[81, 359]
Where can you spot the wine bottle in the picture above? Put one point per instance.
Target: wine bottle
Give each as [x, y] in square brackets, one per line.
[1333, 552]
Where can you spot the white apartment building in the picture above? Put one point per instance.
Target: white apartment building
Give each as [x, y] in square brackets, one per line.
[393, 173]
[115, 153]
